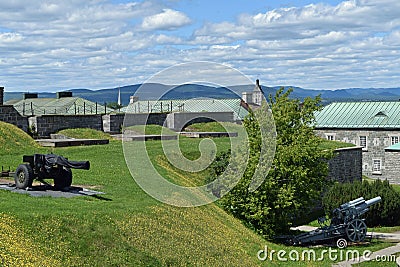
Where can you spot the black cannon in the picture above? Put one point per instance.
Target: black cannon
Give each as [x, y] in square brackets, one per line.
[49, 166]
[346, 225]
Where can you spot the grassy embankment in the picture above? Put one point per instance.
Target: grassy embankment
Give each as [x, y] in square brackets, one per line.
[125, 227]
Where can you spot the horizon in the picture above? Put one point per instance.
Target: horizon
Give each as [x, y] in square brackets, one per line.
[50, 46]
[139, 84]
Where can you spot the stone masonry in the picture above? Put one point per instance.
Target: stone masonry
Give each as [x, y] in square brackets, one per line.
[112, 123]
[48, 124]
[373, 151]
[346, 165]
[10, 115]
[392, 163]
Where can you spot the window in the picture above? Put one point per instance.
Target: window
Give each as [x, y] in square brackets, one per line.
[363, 141]
[330, 137]
[394, 139]
[377, 166]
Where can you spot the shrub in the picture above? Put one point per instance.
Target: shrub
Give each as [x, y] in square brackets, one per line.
[296, 178]
[385, 213]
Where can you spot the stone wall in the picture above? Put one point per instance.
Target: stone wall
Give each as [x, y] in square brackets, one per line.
[10, 115]
[112, 123]
[346, 165]
[1, 95]
[377, 141]
[177, 121]
[48, 124]
[392, 162]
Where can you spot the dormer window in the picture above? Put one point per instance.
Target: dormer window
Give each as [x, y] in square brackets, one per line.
[380, 114]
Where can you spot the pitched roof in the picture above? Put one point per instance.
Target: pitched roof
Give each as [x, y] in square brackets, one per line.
[58, 106]
[395, 147]
[234, 105]
[370, 115]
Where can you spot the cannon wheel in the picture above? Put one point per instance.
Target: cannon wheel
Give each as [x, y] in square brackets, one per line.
[23, 176]
[63, 179]
[356, 230]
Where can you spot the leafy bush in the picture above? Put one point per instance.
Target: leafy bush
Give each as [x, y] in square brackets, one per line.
[385, 213]
[297, 175]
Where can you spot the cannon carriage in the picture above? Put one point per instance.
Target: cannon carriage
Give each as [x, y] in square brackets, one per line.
[346, 225]
[47, 166]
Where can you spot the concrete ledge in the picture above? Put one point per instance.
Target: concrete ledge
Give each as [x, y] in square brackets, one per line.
[71, 142]
[144, 137]
[209, 134]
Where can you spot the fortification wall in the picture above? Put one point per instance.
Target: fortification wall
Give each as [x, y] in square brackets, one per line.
[346, 165]
[48, 124]
[10, 115]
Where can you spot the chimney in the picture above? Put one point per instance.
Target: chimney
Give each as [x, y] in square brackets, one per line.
[30, 95]
[1, 95]
[133, 99]
[64, 94]
[258, 83]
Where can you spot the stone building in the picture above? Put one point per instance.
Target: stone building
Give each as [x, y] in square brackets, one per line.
[254, 98]
[375, 126]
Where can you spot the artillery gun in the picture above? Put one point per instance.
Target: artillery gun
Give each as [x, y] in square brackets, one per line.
[47, 166]
[346, 225]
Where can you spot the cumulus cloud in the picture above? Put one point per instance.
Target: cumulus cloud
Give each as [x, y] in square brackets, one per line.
[51, 45]
[167, 20]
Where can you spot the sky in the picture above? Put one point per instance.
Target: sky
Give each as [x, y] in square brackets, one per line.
[52, 45]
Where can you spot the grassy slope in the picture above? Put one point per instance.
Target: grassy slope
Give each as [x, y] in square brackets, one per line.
[85, 134]
[13, 139]
[150, 129]
[125, 227]
[211, 127]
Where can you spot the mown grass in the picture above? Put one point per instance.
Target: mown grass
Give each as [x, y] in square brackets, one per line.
[124, 227]
[327, 144]
[150, 129]
[85, 133]
[212, 127]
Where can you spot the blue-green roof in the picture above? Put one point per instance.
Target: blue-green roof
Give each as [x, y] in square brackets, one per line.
[59, 106]
[190, 105]
[370, 115]
[395, 147]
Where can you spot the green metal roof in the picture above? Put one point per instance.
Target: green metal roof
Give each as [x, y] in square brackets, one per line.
[371, 115]
[189, 105]
[59, 106]
[395, 147]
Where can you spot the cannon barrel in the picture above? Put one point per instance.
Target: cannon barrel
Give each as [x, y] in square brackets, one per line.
[373, 201]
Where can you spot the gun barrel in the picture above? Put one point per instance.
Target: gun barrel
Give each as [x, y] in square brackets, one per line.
[373, 201]
[360, 199]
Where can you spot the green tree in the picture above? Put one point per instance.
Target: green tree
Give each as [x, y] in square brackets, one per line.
[297, 177]
[114, 105]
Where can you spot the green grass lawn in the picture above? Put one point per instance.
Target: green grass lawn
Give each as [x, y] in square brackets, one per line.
[150, 129]
[213, 127]
[125, 227]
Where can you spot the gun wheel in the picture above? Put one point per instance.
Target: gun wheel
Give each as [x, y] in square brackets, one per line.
[23, 176]
[356, 230]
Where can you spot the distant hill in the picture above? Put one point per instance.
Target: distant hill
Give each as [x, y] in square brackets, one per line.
[153, 91]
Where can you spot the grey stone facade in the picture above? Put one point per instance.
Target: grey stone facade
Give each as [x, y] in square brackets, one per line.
[346, 165]
[10, 115]
[48, 124]
[112, 123]
[177, 121]
[1, 95]
[374, 142]
[392, 162]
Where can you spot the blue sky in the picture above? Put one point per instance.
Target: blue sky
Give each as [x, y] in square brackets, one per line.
[51, 45]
